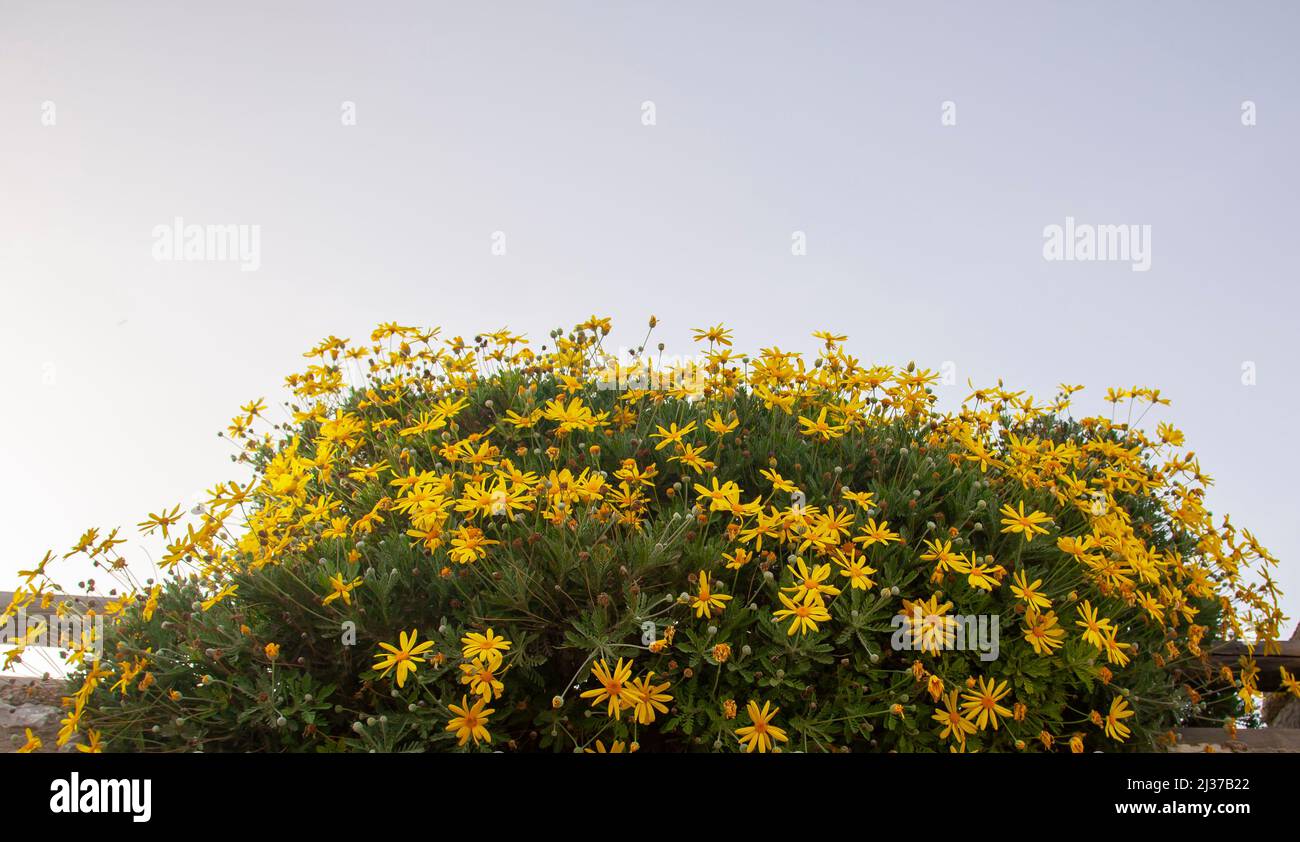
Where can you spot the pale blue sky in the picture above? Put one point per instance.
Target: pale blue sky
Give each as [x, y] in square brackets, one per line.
[924, 240]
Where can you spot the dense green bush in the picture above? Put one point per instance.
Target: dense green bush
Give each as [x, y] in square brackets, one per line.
[640, 565]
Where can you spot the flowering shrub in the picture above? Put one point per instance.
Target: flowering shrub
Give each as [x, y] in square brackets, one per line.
[476, 545]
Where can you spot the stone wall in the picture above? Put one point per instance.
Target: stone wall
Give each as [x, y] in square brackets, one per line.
[29, 703]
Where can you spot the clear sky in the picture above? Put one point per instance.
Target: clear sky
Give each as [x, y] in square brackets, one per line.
[924, 239]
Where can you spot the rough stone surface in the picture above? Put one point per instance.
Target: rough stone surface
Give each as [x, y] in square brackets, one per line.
[28, 716]
[29, 703]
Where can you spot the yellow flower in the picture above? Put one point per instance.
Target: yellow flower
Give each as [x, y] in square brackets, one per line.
[470, 721]
[1042, 631]
[863, 499]
[721, 497]
[272, 650]
[33, 743]
[650, 698]
[1029, 593]
[469, 544]
[983, 705]
[934, 687]
[616, 689]
[72, 722]
[219, 596]
[672, 435]
[804, 613]
[928, 625]
[480, 676]
[489, 644]
[1094, 628]
[779, 483]
[762, 736]
[820, 427]
[403, 656]
[810, 581]
[1028, 525]
[955, 725]
[982, 576]
[1289, 682]
[738, 559]
[874, 533]
[92, 744]
[340, 589]
[941, 553]
[575, 416]
[616, 747]
[721, 426]
[706, 603]
[716, 334]
[1115, 651]
[1114, 725]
